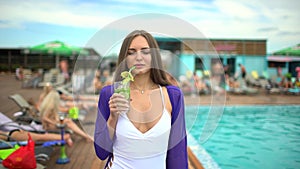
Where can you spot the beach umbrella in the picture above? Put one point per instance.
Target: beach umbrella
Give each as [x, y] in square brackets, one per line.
[291, 51]
[58, 48]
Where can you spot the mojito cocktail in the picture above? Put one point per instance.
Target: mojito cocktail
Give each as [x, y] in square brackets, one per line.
[123, 89]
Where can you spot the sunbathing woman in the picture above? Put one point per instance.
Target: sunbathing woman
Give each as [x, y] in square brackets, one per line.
[50, 117]
[47, 88]
[21, 135]
[67, 102]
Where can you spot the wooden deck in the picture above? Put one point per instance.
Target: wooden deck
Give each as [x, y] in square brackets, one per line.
[81, 154]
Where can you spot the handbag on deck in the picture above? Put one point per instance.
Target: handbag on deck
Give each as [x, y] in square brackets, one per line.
[22, 158]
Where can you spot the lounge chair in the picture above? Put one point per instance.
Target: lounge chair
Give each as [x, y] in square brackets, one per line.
[275, 90]
[59, 80]
[63, 90]
[47, 78]
[236, 91]
[87, 97]
[243, 89]
[29, 114]
[246, 89]
[54, 79]
[7, 124]
[294, 91]
[43, 149]
[253, 79]
[24, 105]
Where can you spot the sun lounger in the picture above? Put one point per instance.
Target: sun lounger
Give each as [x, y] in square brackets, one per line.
[47, 78]
[21, 102]
[236, 91]
[87, 97]
[244, 89]
[253, 79]
[7, 124]
[59, 80]
[275, 90]
[295, 91]
[54, 79]
[250, 90]
[43, 150]
[29, 114]
[264, 83]
[64, 91]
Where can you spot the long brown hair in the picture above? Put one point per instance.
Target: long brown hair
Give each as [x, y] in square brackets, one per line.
[157, 73]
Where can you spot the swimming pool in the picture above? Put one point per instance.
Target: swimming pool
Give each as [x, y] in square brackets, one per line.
[248, 136]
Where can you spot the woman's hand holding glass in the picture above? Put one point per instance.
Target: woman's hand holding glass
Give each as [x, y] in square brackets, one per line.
[118, 104]
[119, 101]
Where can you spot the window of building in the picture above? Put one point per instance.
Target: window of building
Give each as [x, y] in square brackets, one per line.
[276, 64]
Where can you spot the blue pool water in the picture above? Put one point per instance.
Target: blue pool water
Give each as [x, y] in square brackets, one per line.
[248, 136]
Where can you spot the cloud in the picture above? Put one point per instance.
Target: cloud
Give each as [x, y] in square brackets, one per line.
[267, 29]
[286, 33]
[236, 9]
[62, 13]
[9, 24]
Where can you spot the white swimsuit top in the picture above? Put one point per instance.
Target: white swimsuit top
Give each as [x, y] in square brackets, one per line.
[133, 149]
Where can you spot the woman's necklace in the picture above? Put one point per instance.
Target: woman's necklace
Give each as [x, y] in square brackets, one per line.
[142, 90]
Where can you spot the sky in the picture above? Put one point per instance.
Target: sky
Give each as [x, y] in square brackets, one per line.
[32, 22]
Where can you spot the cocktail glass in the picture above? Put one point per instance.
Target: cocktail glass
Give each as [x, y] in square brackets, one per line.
[123, 89]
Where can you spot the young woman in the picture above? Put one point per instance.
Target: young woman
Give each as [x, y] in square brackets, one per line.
[46, 89]
[152, 133]
[21, 135]
[50, 117]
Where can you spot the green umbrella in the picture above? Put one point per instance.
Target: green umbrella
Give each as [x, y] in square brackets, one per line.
[291, 51]
[58, 49]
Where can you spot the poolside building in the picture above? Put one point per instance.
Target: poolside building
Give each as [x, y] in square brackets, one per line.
[196, 55]
[287, 60]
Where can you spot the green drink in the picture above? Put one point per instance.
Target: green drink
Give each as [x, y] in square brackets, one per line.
[122, 89]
